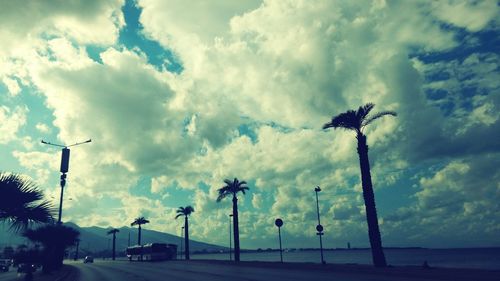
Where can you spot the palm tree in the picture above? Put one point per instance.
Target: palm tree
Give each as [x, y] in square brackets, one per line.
[185, 211]
[232, 188]
[55, 238]
[357, 121]
[139, 221]
[21, 202]
[114, 231]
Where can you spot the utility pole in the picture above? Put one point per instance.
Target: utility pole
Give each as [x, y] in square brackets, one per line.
[230, 246]
[64, 169]
[319, 227]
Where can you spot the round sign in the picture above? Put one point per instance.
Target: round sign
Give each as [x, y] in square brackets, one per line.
[319, 228]
[278, 222]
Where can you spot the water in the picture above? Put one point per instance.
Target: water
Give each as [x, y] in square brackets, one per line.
[484, 258]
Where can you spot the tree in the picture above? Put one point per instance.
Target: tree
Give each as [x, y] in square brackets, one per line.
[356, 121]
[114, 231]
[139, 221]
[21, 202]
[185, 211]
[55, 238]
[232, 188]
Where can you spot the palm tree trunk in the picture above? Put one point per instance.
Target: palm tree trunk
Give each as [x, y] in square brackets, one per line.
[114, 242]
[139, 236]
[186, 236]
[236, 230]
[371, 210]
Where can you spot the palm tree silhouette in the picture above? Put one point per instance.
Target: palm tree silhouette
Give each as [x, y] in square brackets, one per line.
[114, 231]
[232, 188]
[357, 121]
[55, 238]
[21, 202]
[139, 221]
[185, 211]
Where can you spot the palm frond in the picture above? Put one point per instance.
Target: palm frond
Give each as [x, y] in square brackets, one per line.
[231, 188]
[139, 221]
[377, 116]
[20, 202]
[223, 193]
[347, 120]
[184, 211]
[189, 210]
[364, 110]
[113, 231]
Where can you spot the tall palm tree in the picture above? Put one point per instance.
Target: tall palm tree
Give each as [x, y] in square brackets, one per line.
[21, 202]
[185, 211]
[356, 121]
[55, 238]
[232, 188]
[114, 231]
[139, 221]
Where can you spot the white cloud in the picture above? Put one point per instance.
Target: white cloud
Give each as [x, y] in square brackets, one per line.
[257, 201]
[42, 128]
[458, 201]
[280, 70]
[11, 120]
[12, 86]
[472, 15]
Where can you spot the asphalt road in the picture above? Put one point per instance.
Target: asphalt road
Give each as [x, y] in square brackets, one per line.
[206, 271]
[217, 271]
[187, 271]
[9, 275]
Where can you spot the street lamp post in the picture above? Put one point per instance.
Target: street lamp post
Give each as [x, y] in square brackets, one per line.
[64, 169]
[230, 222]
[319, 227]
[279, 224]
[182, 238]
[77, 246]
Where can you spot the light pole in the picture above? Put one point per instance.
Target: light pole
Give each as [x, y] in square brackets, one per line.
[279, 224]
[64, 169]
[77, 246]
[319, 227]
[230, 222]
[182, 238]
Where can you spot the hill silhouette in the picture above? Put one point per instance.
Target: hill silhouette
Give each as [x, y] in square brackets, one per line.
[94, 239]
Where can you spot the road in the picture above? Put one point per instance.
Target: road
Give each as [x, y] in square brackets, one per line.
[217, 271]
[188, 271]
[9, 275]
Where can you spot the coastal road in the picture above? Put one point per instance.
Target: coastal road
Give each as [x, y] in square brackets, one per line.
[9, 275]
[248, 271]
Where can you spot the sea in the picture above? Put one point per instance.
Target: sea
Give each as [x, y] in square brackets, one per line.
[480, 258]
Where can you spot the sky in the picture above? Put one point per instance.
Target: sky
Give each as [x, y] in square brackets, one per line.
[178, 96]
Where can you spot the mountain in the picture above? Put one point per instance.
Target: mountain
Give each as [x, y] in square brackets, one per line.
[95, 239]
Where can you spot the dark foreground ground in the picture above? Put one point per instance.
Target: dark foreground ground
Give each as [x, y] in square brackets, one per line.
[200, 270]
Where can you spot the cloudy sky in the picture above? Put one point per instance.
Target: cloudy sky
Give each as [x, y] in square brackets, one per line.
[177, 96]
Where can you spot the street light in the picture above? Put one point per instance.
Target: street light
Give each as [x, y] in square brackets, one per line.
[182, 238]
[77, 246]
[64, 169]
[319, 227]
[279, 224]
[230, 221]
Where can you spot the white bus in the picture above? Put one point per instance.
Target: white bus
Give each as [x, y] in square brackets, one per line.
[152, 252]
